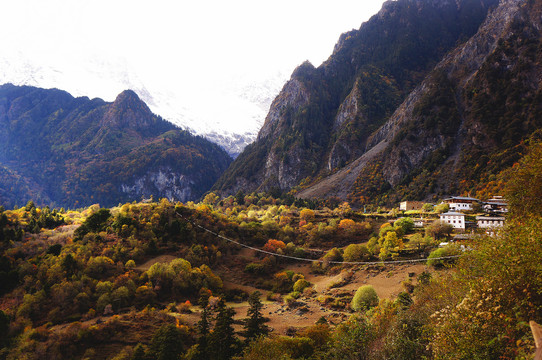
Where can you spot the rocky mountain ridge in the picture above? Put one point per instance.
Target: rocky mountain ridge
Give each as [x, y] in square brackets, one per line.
[326, 117]
[446, 136]
[63, 151]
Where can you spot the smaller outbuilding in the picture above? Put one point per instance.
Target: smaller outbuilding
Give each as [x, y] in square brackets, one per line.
[421, 223]
[490, 223]
[410, 205]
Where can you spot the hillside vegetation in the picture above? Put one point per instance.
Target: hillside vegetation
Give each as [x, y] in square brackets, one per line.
[73, 285]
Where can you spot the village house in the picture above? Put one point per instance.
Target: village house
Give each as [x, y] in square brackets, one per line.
[490, 223]
[410, 205]
[497, 204]
[457, 220]
[461, 203]
[485, 222]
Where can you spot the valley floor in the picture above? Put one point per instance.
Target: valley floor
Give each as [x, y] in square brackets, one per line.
[388, 282]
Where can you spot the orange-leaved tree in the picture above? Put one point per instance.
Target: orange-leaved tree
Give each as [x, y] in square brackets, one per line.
[274, 246]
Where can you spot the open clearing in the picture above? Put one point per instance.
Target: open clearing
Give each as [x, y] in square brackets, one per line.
[387, 281]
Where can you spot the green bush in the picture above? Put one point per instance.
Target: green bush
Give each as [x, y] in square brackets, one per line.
[449, 250]
[442, 208]
[255, 268]
[295, 294]
[427, 207]
[300, 285]
[365, 298]
[406, 223]
[355, 252]
[289, 300]
[333, 255]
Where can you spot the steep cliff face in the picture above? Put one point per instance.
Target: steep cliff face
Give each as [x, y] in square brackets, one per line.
[439, 119]
[465, 123]
[65, 151]
[370, 102]
[324, 116]
[294, 94]
[166, 181]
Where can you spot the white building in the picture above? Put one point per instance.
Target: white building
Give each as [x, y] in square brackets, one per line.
[421, 223]
[457, 220]
[459, 203]
[486, 222]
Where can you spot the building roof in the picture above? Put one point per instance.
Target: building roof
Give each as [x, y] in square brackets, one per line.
[497, 198]
[462, 198]
[490, 218]
[496, 203]
[452, 213]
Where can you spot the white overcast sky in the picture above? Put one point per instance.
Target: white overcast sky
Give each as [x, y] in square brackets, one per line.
[188, 47]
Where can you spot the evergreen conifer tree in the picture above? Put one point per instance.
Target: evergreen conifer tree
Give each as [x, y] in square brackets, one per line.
[201, 352]
[166, 344]
[255, 323]
[222, 343]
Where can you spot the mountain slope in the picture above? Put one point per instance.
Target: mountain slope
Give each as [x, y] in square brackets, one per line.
[324, 117]
[463, 125]
[66, 151]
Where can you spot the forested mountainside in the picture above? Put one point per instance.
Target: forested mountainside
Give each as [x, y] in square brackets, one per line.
[64, 151]
[387, 129]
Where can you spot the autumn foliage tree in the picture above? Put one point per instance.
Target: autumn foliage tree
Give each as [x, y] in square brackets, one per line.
[503, 273]
[390, 244]
[274, 246]
[306, 215]
[439, 229]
